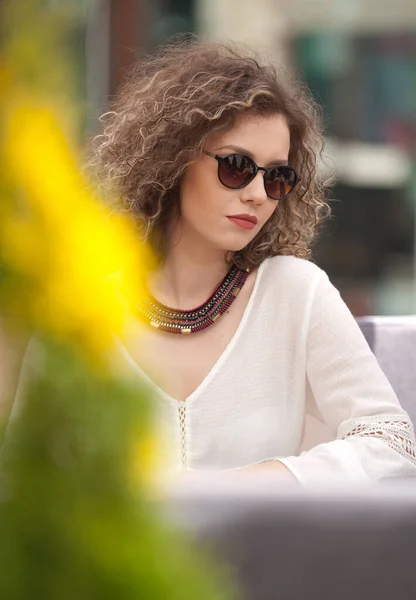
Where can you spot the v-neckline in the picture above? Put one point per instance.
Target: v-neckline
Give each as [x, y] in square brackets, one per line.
[218, 363]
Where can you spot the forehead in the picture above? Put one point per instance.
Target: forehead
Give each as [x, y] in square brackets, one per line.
[266, 138]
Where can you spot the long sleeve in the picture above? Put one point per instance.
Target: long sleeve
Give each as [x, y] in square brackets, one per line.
[374, 435]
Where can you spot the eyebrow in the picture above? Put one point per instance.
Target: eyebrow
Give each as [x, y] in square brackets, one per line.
[241, 150]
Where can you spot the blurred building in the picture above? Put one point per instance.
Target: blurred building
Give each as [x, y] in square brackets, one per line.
[359, 59]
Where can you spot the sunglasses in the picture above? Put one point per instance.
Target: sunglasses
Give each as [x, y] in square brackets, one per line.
[235, 171]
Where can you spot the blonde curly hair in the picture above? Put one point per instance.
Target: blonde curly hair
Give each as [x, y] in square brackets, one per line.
[170, 104]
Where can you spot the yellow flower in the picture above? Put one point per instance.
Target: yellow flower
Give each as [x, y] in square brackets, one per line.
[146, 462]
[61, 239]
[74, 266]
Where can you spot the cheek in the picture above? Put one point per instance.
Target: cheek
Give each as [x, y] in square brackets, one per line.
[203, 207]
[200, 195]
[271, 209]
[191, 186]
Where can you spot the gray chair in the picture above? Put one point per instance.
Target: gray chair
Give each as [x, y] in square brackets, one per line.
[347, 543]
[393, 341]
[295, 544]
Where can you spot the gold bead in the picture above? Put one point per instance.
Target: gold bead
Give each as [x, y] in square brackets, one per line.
[186, 330]
[155, 324]
[236, 291]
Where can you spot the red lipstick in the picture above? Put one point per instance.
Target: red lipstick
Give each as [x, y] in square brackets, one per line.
[245, 221]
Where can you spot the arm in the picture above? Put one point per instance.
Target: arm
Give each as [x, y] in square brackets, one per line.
[374, 435]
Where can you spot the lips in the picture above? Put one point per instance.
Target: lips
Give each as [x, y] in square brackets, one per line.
[245, 217]
[244, 221]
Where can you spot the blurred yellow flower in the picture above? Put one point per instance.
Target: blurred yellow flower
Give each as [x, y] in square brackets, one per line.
[60, 238]
[146, 463]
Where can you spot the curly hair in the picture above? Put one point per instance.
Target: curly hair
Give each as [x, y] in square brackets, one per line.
[170, 104]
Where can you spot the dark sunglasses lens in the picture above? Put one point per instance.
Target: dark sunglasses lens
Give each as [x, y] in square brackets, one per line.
[236, 170]
[280, 181]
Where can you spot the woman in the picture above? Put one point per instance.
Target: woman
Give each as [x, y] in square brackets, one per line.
[238, 333]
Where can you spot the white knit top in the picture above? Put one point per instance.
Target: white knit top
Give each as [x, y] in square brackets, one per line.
[297, 351]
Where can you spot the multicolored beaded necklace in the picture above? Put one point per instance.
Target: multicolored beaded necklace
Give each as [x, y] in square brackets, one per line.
[191, 321]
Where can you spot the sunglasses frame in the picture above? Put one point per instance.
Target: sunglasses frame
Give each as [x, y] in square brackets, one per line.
[220, 159]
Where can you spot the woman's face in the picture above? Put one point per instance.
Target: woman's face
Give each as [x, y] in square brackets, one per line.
[208, 207]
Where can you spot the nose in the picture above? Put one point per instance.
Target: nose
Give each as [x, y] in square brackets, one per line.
[254, 191]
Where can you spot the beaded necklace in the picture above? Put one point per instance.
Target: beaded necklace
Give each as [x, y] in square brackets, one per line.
[177, 321]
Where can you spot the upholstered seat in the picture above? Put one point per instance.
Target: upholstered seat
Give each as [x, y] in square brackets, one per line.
[393, 341]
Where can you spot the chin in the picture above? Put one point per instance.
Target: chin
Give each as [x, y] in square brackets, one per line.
[237, 248]
[234, 245]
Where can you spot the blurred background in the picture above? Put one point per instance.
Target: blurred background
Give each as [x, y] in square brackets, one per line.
[359, 59]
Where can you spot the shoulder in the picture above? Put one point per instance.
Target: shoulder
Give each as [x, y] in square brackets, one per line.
[290, 290]
[292, 271]
[291, 283]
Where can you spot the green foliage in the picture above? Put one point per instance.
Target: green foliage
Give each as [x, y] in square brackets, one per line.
[75, 522]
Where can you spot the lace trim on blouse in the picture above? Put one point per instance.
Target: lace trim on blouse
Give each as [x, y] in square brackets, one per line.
[182, 426]
[394, 430]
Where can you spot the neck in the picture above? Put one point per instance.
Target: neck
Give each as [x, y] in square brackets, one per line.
[189, 275]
